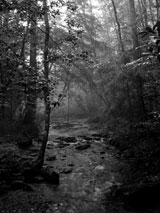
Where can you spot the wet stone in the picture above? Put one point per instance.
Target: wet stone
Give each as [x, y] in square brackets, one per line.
[51, 158]
[50, 143]
[97, 138]
[105, 135]
[71, 164]
[97, 135]
[102, 153]
[34, 154]
[49, 146]
[50, 175]
[60, 138]
[62, 145]
[67, 170]
[83, 146]
[87, 138]
[70, 139]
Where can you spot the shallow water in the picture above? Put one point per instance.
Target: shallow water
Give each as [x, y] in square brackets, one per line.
[85, 175]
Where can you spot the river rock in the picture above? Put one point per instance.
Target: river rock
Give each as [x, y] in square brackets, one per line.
[97, 135]
[83, 146]
[51, 158]
[50, 175]
[102, 152]
[63, 145]
[87, 138]
[67, 170]
[99, 168]
[60, 138]
[70, 140]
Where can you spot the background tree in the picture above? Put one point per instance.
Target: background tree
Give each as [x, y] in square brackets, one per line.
[30, 110]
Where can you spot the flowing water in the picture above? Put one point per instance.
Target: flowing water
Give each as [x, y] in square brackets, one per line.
[88, 168]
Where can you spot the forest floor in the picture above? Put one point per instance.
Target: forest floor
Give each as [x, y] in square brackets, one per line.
[89, 168]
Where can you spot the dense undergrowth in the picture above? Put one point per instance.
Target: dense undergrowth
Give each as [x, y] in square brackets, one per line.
[140, 149]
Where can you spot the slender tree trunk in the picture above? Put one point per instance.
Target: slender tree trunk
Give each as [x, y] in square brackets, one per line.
[144, 6]
[46, 89]
[22, 52]
[151, 12]
[141, 13]
[139, 79]
[118, 26]
[32, 96]
[68, 104]
[133, 25]
[158, 12]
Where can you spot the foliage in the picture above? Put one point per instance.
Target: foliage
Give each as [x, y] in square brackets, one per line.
[79, 59]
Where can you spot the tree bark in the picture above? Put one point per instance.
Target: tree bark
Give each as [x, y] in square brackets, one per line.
[118, 27]
[141, 13]
[157, 8]
[133, 25]
[144, 7]
[31, 93]
[46, 89]
[139, 80]
[151, 12]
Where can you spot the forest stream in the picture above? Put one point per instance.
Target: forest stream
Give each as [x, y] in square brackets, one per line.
[88, 168]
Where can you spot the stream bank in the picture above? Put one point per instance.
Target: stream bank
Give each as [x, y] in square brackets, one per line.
[88, 167]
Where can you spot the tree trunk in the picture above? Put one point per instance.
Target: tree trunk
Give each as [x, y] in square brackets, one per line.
[151, 12]
[22, 52]
[144, 7]
[133, 25]
[139, 80]
[46, 89]
[118, 27]
[141, 13]
[36, 168]
[31, 93]
[158, 12]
